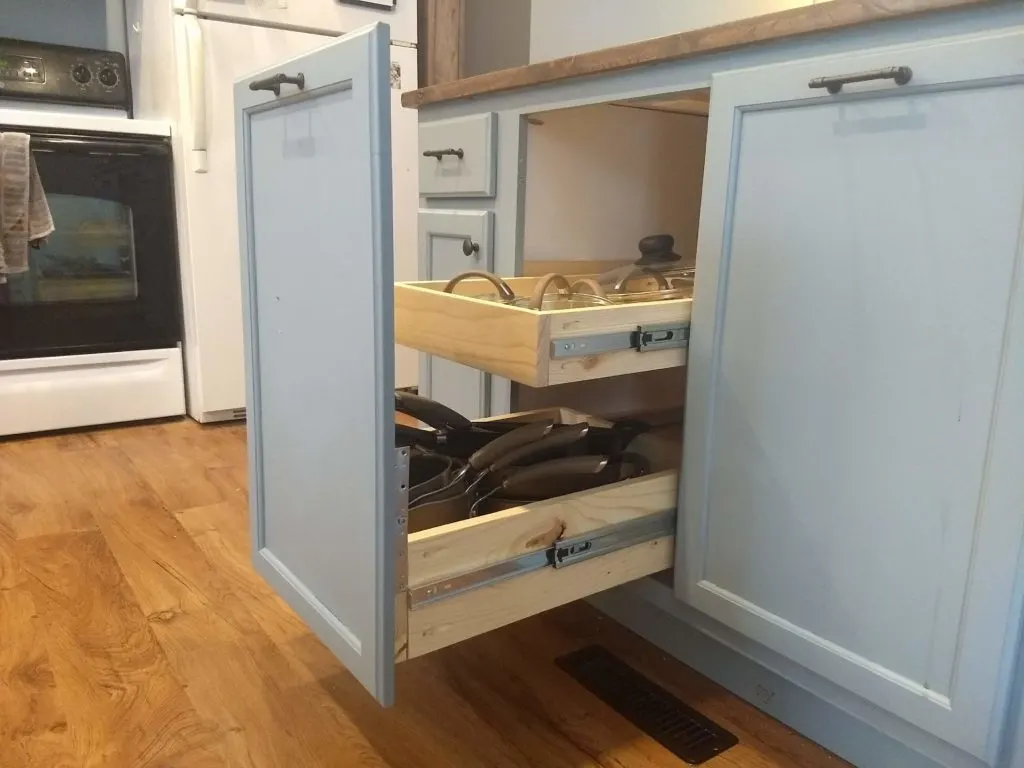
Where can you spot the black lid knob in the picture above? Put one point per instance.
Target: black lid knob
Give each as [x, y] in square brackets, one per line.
[657, 244]
[657, 249]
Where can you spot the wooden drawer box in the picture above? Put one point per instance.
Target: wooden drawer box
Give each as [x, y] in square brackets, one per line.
[463, 579]
[539, 348]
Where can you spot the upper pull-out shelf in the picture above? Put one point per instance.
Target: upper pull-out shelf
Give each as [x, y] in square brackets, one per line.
[540, 347]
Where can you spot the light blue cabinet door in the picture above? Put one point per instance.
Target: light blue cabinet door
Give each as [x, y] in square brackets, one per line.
[315, 220]
[853, 484]
[452, 242]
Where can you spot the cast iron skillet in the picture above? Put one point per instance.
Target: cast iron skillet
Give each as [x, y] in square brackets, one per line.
[447, 495]
[454, 435]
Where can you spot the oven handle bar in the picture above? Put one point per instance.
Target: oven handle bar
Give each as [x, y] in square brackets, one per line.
[98, 145]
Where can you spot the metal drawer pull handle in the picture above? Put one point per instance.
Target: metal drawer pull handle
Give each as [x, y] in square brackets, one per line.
[274, 82]
[439, 153]
[469, 247]
[834, 84]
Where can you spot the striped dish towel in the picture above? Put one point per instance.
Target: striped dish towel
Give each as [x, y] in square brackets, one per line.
[24, 213]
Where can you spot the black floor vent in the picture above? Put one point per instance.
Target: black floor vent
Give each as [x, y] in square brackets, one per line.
[683, 731]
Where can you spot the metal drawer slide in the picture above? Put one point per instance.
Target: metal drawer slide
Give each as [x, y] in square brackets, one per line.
[646, 338]
[563, 553]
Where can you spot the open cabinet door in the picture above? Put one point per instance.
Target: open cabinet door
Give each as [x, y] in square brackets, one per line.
[314, 164]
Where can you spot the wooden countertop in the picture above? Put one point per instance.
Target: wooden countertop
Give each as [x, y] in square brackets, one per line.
[820, 17]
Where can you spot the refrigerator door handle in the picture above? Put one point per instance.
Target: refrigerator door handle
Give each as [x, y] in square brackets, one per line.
[196, 86]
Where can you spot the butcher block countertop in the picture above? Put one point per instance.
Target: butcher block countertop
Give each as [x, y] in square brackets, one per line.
[820, 17]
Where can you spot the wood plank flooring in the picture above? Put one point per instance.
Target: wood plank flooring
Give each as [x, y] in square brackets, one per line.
[134, 632]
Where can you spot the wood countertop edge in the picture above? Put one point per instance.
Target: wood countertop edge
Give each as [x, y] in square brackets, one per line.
[796, 22]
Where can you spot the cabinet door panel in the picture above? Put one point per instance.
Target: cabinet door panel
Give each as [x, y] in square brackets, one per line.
[319, 345]
[443, 235]
[851, 419]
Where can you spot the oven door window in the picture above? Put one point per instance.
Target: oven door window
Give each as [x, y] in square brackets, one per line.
[89, 257]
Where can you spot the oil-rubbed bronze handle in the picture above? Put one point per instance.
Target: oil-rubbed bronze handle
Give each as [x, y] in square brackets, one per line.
[274, 83]
[469, 247]
[439, 153]
[834, 84]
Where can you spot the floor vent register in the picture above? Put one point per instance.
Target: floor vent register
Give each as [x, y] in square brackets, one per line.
[682, 730]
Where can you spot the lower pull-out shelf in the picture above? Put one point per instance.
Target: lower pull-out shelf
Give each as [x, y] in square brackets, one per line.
[330, 535]
[471, 576]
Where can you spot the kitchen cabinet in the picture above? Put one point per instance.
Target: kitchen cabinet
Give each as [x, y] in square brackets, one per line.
[856, 365]
[329, 489]
[457, 158]
[851, 491]
[452, 242]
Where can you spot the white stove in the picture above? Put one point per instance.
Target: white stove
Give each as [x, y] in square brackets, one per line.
[91, 332]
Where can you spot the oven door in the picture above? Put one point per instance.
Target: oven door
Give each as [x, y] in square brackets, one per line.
[107, 278]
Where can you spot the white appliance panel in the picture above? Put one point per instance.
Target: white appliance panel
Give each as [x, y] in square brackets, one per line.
[45, 393]
[211, 273]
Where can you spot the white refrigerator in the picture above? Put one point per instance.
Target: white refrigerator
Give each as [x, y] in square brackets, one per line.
[184, 66]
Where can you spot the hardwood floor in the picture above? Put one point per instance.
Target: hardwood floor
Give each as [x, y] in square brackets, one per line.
[133, 632]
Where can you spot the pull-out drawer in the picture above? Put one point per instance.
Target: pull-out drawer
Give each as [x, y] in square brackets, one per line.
[539, 348]
[472, 576]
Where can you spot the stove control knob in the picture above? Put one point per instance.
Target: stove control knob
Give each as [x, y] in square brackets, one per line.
[108, 76]
[81, 74]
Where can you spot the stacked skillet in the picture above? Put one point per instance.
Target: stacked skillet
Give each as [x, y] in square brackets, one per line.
[460, 468]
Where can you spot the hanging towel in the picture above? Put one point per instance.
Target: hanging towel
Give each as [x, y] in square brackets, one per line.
[24, 213]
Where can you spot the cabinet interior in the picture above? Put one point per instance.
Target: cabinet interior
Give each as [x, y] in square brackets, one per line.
[598, 179]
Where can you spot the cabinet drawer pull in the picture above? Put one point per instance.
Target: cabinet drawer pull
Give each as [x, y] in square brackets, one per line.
[274, 82]
[469, 247]
[834, 84]
[439, 153]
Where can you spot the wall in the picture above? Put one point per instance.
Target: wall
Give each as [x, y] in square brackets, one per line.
[65, 22]
[602, 177]
[496, 35]
[564, 27]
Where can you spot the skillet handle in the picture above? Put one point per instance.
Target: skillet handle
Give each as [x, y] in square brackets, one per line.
[561, 437]
[431, 412]
[522, 479]
[510, 441]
